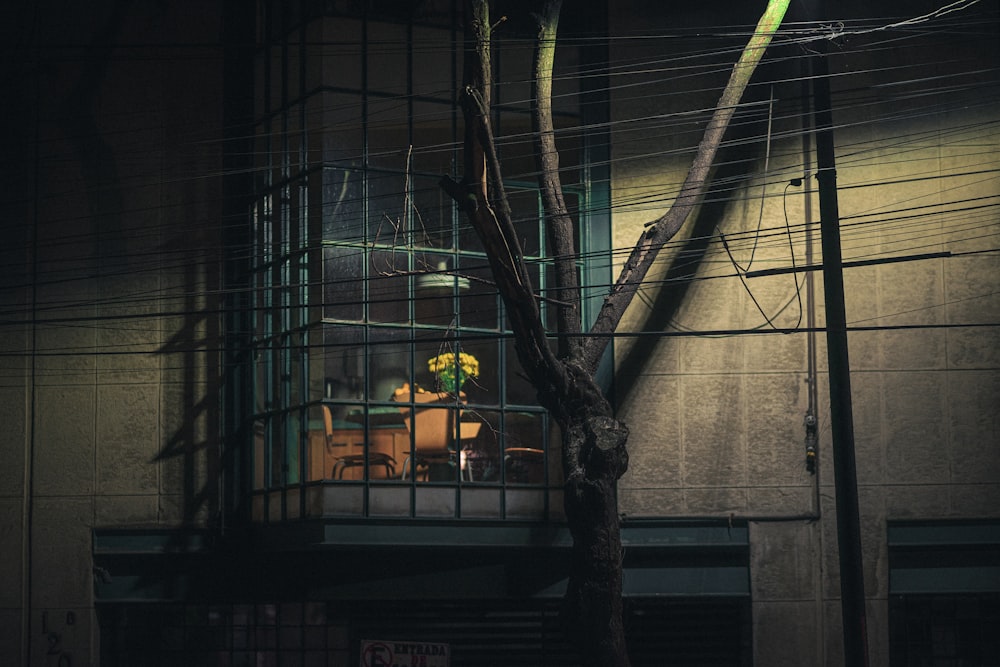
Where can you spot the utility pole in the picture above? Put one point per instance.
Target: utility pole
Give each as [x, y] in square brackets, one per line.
[852, 583]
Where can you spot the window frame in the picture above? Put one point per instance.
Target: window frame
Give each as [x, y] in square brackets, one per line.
[290, 248]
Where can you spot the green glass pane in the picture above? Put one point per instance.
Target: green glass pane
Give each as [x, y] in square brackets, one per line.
[388, 286]
[343, 283]
[343, 205]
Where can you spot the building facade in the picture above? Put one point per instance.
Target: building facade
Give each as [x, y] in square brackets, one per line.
[741, 382]
[262, 404]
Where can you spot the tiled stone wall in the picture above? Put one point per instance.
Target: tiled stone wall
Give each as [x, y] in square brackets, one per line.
[716, 420]
[106, 425]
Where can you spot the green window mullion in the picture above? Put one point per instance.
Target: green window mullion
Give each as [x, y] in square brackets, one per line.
[269, 440]
[364, 105]
[302, 355]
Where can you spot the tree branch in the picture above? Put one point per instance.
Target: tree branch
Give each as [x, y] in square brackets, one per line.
[558, 223]
[482, 196]
[666, 226]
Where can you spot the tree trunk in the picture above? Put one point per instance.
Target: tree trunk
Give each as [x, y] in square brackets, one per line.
[594, 452]
[592, 608]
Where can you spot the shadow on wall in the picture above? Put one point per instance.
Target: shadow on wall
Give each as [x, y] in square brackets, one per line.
[745, 144]
[190, 485]
[734, 170]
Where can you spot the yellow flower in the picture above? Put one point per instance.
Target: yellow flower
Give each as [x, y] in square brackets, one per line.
[469, 364]
[445, 366]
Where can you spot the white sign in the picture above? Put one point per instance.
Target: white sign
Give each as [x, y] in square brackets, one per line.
[390, 653]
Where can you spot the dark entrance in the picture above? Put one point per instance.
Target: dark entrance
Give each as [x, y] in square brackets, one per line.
[506, 633]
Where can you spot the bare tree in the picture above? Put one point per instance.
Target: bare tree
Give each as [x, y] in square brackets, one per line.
[594, 454]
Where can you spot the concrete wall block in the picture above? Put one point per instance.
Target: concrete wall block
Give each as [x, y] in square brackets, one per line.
[974, 426]
[973, 286]
[909, 292]
[112, 511]
[184, 411]
[719, 502]
[828, 532]
[654, 419]
[647, 358]
[833, 639]
[975, 500]
[127, 438]
[13, 439]
[786, 633]
[775, 353]
[185, 470]
[874, 542]
[914, 349]
[775, 406]
[782, 500]
[860, 303]
[915, 429]
[181, 362]
[776, 296]
[973, 348]
[190, 342]
[866, 407]
[708, 355]
[824, 431]
[874, 561]
[701, 308]
[187, 417]
[647, 502]
[14, 339]
[11, 543]
[182, 509]
[652, 395]
[917, 501]
[714, 445]
[129, 354]
[864, 350]
[973, 294]
[877, 611]
[10, 640]
[64, 441]
[61, 567]
[65, 354]
[637, 318]
[784, 561]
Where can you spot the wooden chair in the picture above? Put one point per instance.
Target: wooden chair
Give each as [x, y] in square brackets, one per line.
[345, 461]
[435, 429]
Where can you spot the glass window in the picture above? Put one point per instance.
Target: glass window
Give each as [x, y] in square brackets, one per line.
[944, 592]
[386, 382]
